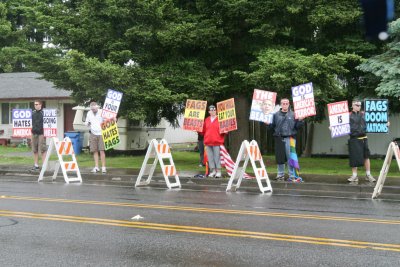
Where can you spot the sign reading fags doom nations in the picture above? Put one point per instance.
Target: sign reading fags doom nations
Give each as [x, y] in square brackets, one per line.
[194, 115]
[303, 101]
[22, 123]
[376, 115]
[111, 104]
[226, 115]
[49, 122]
[339, 120]
[109, 131]
[262, 106]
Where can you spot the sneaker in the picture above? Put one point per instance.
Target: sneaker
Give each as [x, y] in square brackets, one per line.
[370, 178]
[218, 175]
[212, 174]
[297, 180]
[103, 170]
[353, 179]
[35, 168]
[94, 170]
[280, 177]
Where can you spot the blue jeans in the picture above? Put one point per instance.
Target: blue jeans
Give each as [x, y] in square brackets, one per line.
[281, 167]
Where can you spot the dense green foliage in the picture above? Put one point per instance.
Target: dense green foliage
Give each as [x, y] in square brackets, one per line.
[179, 49]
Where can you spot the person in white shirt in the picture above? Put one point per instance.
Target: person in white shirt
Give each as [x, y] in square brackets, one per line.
[96, 143]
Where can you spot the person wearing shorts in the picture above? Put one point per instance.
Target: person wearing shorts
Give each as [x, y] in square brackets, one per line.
[96, 144]
[38, 141]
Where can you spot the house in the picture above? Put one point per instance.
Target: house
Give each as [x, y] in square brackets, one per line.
[20, 90]
[324, 145]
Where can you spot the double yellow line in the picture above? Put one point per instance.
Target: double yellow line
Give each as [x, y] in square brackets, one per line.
[206, 210]
[204, 230]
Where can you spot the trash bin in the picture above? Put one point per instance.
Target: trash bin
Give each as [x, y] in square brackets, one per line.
[76, 139]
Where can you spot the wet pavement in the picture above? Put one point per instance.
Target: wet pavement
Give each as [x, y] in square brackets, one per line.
[313, 185]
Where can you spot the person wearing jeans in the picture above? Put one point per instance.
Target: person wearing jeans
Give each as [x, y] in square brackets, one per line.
[285, 127]
[213, 139]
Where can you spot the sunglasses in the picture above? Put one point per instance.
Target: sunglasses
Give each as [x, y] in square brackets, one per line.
[211, 109]
[357, 105]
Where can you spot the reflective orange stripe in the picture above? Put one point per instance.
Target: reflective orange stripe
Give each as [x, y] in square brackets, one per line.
[169, 170]
[163, 148]
[70, 166]
[65, 148]
[262, 172]
[255, 152]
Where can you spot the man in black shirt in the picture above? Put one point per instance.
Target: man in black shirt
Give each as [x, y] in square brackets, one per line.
[285, 127]
[358, 144]
[38, 139]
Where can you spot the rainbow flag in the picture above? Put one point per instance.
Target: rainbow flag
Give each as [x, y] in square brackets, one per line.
[293, 160]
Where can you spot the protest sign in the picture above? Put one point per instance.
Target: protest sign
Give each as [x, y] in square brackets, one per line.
[49, 122]
[226, 115]
[339, 118]
[262, 106]
[111, 104]
[22, 123]
[194, 115]
[303, 101]
[376, 115]
[109, 131]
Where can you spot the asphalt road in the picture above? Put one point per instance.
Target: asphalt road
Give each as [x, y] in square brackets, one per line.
[54, 224]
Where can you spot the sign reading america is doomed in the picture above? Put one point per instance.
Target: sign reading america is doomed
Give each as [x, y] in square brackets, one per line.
[194, 115]
[339, 118]
[303, 101]
[111, 104]
[376, 115]
[227, 115]
[110, 133]
[49, 122]
[262, 106]
[22, 123]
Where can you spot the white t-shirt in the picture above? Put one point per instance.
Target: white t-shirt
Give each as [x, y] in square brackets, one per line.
[95, 121]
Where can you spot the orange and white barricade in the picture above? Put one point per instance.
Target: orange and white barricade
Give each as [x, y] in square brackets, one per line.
[393, 149]
[160, 151]
[249, 151]
[63, 149]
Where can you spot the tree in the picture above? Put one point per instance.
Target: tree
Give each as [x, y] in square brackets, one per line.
[202, 49]
[385, 66]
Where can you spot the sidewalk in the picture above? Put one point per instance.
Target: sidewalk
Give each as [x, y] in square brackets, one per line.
[313, 185]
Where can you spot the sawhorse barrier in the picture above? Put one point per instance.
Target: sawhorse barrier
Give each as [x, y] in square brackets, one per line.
[249, 151]
[62, 148]
[393, 149]
[159, 151]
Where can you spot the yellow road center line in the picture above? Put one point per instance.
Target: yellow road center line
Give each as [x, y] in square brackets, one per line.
[208, 210]
[203, 230]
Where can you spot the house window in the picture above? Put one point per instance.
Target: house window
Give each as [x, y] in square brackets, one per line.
[6, 109]
[5, 112]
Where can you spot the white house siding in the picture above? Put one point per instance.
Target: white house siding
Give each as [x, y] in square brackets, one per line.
[323, 144]
[178, 135]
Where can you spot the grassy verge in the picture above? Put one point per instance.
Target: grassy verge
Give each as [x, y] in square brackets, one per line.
[188, 161]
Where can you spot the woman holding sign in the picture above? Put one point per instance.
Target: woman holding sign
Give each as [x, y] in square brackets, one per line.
[213, 139]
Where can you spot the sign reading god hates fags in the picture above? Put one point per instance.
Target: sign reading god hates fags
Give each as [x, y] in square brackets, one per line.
[262, 106]
[22, 123]
[227, 115]
[109, 131]
[339, 119]
[194, 115]
[376, 115]
[49, 122]
[303, 101]
[111, 104]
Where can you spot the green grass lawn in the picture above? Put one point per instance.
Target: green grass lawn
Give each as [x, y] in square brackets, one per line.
[187, 160]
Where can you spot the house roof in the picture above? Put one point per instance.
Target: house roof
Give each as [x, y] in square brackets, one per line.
[28, 85]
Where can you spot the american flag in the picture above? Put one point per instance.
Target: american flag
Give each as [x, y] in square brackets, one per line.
[228, 163]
